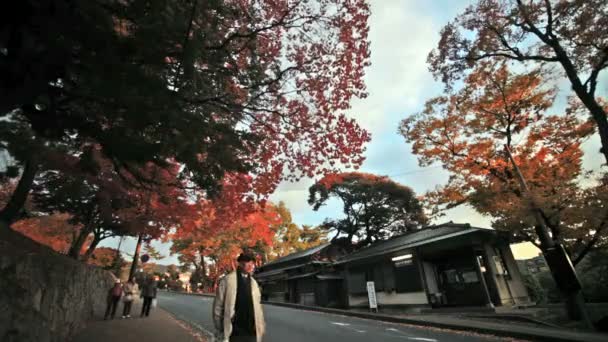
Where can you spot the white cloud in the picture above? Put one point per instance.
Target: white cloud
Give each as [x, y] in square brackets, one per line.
[401, 33]
[400, 39]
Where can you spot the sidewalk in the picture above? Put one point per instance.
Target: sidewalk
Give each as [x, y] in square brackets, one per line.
[158, 327]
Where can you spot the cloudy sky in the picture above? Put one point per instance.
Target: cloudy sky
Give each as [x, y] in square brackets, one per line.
[402, 32]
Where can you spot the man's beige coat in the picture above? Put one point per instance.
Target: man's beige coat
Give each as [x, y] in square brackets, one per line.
[223, 307]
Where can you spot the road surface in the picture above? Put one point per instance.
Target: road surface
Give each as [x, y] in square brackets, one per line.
[292, 325]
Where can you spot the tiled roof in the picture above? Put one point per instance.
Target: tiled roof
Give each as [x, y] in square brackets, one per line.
[297, 255]
[411, 239]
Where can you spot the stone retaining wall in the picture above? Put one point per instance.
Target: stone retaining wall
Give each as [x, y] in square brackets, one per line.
[45, 296]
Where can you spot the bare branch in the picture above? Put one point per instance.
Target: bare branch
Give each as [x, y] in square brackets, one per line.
[519, 57]
[596, 237]
[592, 80]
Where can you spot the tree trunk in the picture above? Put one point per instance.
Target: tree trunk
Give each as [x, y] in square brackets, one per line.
[584, 250]
[587, 98]
[14, 206]
[567, 283]
[558, 260]
[79, 242]
[91, 248]
[599, 116]
[204, 266]
[116, 265]
[575, 307]
[136, 257]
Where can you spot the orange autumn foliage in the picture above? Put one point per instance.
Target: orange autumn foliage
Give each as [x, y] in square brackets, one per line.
[251, 231]
[53, 231]
[104, 257]
[568, 36]
[467, 131]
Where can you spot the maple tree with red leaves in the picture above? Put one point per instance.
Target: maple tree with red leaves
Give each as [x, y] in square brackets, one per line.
[54, 230]
[572, 35]
[467, 132]
[375, 207]
[205, 245]
[510, 160]
[237, 87]
[107, 205]
[105, 257]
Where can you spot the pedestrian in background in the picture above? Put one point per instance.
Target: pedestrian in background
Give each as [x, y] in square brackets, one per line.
[113, 298]
[148, 293]
[237, 311]
[129, 290]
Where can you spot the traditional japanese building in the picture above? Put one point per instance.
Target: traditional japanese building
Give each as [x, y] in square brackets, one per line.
[438, 266]
[305, 277]
[446, 265]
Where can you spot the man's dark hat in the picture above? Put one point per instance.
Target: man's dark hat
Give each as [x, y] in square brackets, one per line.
[245, 257]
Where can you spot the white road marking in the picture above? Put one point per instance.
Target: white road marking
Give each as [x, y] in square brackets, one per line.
[392, 329]
[347, 325]
[422, 339]
[340, 324]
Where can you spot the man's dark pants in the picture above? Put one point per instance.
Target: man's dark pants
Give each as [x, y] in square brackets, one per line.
[145, 309]
[112, 304]
[239, 335]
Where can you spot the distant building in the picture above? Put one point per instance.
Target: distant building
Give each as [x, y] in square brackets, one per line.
[438, 266]
[305, 277]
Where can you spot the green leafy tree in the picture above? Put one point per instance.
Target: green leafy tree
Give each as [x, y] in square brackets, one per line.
[153, 252]
[537, 293]
[593, 273]
[375, 207]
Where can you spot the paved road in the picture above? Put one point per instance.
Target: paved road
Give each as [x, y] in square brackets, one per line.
[291, 325]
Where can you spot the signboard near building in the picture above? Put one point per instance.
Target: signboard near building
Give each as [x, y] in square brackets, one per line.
[371, 295]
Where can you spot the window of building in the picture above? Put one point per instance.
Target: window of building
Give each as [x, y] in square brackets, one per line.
[306, 285]
[357, 282]
[274, 287]
[407, 279]
[469, 276]
[389, 277]
[451, 276]
[378, 277]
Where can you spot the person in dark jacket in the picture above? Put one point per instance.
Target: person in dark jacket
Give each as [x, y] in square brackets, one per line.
[113, 298]
[148, 293]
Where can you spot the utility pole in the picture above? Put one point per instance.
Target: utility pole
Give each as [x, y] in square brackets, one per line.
[558, 260]
[136, 256]
[117, 264]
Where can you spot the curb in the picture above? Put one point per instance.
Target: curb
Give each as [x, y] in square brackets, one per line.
[516, 318]
[206, 333]
[506, 332]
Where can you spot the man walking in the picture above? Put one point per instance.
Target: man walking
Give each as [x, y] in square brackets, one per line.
[148, 293]
[237, 311]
